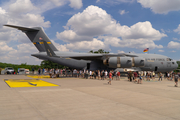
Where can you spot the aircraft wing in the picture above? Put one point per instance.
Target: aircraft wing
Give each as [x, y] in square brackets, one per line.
[83, 56]
[89, 56]
[96, 56]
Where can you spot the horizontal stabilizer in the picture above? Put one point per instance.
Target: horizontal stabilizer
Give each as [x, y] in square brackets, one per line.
[22, 28]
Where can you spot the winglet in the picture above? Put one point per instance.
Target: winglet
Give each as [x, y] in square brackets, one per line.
[49, 51]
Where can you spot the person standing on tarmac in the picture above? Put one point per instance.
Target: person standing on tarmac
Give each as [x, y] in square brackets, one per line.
[106, 74]
[110, 77]
[130, 76]
[102, 75]
[117, 75]
[135, 76]
[39, 73]
[99, 74]
[33, 71]
[90, 74]
[96, 74]
[140, 78]
[87, 74]
[160, 76]
[176, 77]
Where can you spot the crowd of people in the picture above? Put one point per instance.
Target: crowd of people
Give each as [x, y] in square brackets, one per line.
[141, 75]
[148, 75]
[133, 76]
[97, 74]
[53, 73]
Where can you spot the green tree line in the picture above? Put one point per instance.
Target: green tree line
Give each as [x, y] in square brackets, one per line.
[16, 66]
[44, 64]
[98, 51]
[178, 69]
[50, 64]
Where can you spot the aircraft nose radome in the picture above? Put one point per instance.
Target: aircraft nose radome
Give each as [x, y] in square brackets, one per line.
[176, 65]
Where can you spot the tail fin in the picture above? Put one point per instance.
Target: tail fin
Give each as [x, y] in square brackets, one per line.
[49, 51]
[36, 34]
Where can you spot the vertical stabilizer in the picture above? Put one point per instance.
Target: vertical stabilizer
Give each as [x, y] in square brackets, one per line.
[36, 35]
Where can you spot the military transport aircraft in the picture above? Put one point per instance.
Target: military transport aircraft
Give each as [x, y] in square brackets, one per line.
[90, 61]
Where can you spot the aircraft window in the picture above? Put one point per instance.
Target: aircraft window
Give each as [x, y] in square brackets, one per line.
[160, 59]
[169, 59]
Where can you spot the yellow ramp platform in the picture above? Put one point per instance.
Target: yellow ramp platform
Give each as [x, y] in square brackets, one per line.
[38, 77]
[27, 83]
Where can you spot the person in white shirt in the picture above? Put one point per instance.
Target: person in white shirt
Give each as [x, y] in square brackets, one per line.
[106, 73]
[90, 73]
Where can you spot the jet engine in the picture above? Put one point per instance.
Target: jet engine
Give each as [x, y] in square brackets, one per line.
[124, 62]
[137, 62]
[118, 62]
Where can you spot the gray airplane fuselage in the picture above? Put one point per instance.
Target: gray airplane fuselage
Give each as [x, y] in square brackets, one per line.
[153, 62]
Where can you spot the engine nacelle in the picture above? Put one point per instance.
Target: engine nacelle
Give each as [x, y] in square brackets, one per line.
[118, 62]
[137, 62]
[124, 62]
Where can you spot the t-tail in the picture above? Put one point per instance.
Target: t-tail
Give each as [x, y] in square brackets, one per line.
[37, 37]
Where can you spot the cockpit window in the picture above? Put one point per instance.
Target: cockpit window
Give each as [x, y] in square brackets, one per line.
[169, 59]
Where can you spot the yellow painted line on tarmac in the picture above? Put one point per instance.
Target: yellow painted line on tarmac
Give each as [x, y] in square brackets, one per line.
[38, 77]
[27, 83]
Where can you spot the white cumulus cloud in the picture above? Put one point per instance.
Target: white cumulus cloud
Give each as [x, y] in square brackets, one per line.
[58, 2]
[95, 44]
[161, 50]
[2, 11]
[15, 46]
[142, 30]
[71, 36]
[173, 45]
[122, 12]
[77, 4]
[119, 51]
[94, 22]
[131, 43]
[21, 6]
[161, 6]
[59, 47]
[177, 29]
[19, 55]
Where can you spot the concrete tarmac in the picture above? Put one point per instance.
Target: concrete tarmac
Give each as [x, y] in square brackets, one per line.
[89, 99]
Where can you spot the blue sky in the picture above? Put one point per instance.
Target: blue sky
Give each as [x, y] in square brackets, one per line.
[116, 26]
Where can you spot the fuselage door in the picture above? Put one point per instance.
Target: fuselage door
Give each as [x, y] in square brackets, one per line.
[156, 68]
